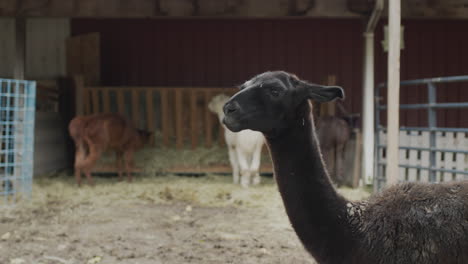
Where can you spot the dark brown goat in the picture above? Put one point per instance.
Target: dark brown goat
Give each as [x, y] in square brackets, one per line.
[97, 133]
[407, 223]
[333, 133]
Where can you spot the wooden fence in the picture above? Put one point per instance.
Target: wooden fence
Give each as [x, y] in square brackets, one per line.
[180, 113]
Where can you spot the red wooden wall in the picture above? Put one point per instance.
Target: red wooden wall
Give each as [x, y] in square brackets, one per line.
[225, 52]
[433, 48]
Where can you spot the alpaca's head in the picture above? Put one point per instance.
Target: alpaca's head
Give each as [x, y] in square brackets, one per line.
[265, 102]
[216, 105]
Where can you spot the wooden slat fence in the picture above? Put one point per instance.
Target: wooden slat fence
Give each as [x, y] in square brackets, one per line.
[47, 96]
[444, 160]
[180, 114]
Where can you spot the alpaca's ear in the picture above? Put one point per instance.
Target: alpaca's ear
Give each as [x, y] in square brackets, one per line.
[322, 94]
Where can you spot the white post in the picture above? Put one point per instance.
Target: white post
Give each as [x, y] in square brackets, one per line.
[393, 91]
[368, 109]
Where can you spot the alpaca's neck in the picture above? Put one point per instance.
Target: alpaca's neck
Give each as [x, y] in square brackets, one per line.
[315, 209]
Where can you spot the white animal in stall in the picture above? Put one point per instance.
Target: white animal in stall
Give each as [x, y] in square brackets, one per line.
[245, 147]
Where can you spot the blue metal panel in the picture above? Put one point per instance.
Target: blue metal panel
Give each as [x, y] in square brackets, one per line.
[17, 114]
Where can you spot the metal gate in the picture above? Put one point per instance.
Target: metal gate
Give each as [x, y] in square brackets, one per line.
[17, 109]
[427, 154]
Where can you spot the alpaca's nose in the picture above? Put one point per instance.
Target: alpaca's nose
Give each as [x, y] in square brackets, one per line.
[231, 107]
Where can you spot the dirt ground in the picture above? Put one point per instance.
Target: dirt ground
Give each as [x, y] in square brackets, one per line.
[163, 219]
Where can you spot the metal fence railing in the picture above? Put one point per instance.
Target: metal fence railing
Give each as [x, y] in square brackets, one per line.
[430, 144]
[17, 110]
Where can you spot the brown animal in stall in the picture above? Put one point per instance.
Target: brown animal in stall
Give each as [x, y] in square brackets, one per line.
[97, 133]
[333, 133]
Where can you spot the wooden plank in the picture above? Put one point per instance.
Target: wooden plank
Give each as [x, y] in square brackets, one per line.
[91, 65]
[150, 113]
[87, 101]
[165, 116]
[135, 108]
[106, 100]
[83, 57]
[194, 118]
[95, 101]
[79, 95]
[121, 101]
[208, 121]
[179, 118]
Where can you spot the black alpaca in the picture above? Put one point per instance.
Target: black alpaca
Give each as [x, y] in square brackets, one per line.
[409, 223]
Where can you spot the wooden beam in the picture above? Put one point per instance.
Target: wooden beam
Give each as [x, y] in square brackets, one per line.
[393, 92]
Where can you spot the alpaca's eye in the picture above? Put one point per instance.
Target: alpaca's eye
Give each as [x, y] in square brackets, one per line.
[274, 92]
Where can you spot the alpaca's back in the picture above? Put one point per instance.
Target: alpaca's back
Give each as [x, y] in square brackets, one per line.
[416, 223]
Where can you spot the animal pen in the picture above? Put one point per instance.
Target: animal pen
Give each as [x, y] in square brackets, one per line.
[427, 154]
[179, 116]
[17, 114]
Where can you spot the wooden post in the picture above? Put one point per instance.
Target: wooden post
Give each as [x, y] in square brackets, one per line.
[135, 108]
[393, 92]
[357, 160]
[20, 48]
[105, 100]
[95, 99]
[121, 101]
[329, 108]
[79, 95]
[179, 119]
[208, 121]
[87, 100]
[194, 117]
[150, 114]
[165, 116]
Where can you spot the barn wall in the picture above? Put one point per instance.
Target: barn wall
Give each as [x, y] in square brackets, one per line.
[49, 143]
[433, 48]
[7, 47]
[45, 47]
[225, 52]
[238, 8]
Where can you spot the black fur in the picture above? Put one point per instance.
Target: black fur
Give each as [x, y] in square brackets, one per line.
[408, 223]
